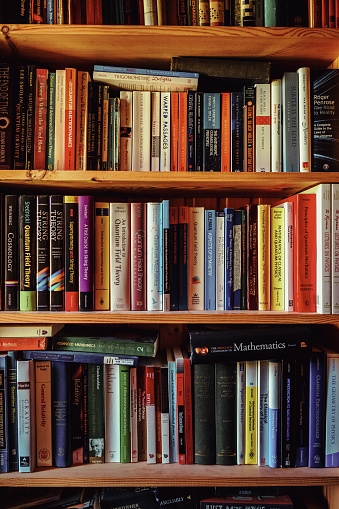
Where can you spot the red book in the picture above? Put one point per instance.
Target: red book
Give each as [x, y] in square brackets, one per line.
[23, 344]
[226, 131]
[138, 257]
[182, 132]
[141, 396]
[90, 12]
[249, 129]
[150, 415]
[174, 130]
[188, 412]
[98, 12]
[325, 13]
[70, 117]
[40, 119]
[179, 375]
[157, 389]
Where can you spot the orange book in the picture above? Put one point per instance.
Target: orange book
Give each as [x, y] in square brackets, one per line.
[43, 406]
[182, 134]
[174, 130]
[70, 117]
[23, 343]
[226, 131]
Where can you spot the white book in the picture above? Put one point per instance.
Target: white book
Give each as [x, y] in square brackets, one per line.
[154, 256]
[134, 414]
[141, 131]
[220, 261]
[146, 82]
[150, 416]
[120, 252]
[196, 258]
[276, 126]
[289, 255]
[150, 12]
[273, 413]
[335, 248]
[112, 413]
[26, 416]
[263, 413]
[155, 158]
[263, 127]
[59, 125]
[305, 156]
[165, 132]
[30, 331]
[126, 98]
[241, 393]
[324, 239]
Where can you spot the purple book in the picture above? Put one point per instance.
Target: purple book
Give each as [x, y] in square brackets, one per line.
[86, 249]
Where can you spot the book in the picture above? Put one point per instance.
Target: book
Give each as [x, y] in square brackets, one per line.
[252, 256]
[43, 405]
[62, 451]
[264, 283]
[40, 124]
[7, 81]
[182, 254]
[331, 427]
[71, 250]
[126, 97]
[220, 261]
[188, 412]
[251, 414]
[263, 413]
[276, 126]
[225, 131]
[166, 255]
[96, 418]
[57, 254]
[86, 252]
[274, 392]
[174, 258]
[26, 416]
[11, 248]
[164, 410]
[59, 127]
[172, 406]
[334, 249]
[138, 256]
[43, 253]
[243, 502]
[240, 430]
[305, 155]
[174, 135]
[80, 357]
[29, 330]
[317, 408]
[150, 415]
[229, 247]
[141, 403]
[141, 131]
[27, 248]
[288, 412]
[290, 121]
[101, 255]
[76, 381]
[191, 113]
[226, 413]
[289, 240]
[237, 132]
[155, 130]
[180, 404]
[119, 250]
[302, 417]
[277, 278]
[210, 260]
[23, 343]
[154, 262]
[130, 341]
[249, 128]
[12, 380]
[204, 414]
[237, 258]
[217, 343]
[182, 131]
[212, 132]
[134, 414]
[324, 134]
[4, 415]
[50, 121]
[112, 413]
[165, 132]
[30, 117]
[263, 127]
[83, 79]
[196, 258]
[125, 447]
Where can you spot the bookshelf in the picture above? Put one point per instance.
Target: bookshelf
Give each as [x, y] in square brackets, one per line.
[82, 46]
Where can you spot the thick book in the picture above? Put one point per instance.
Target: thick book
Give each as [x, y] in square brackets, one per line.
[57, 254]
[155, 130]
[165, 131]
[164, 411]
[150, 415]
[134, 413]
[302, 417]
[59, 126]
[43, 405]
[204, 414]
[62, 452]
[26, 416]
[96, 415]
[237, 258]
[226, 413]
[86, 253]
[220, 261]
[27, 252]
[81, 357]
[10, 255]
[216, 343]
[101, 256]
[244, 502]
[119, 250]
[277, 259]
[276, 126]
[141, 403]
[126, 97]
[252, 256]
[70, 117]
[131, 341]
[50, 121]
[172, 407]
[138, 257]
[7, 83]
[29, 331]
[166, 255]
[83, 79]
[182, 254]
[30, 117]
[304, 102]
[4, 415]
[43, 253]
[174, 255]
[71, 251]
[335, 249]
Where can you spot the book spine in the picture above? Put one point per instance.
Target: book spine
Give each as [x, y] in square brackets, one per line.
[332, 412]
[50, 121]
[76, 413]
[165, 131]
[138, 257]
[241, 394]
[157, 395]
[172, 391]
[134, 414]
[150, 415]
[237, 259]
[188, 406]
[204, 414]
[290, 121]
[274, 414]
[43, 405]
[156, 130]
[317, 409]
[183, 257]
[276, 126]
[43, 253]
[229, 249]
[150, 12]
[11, 250]
[112, 413]
[7, 84]
[40, 126]
[196, 259]
[20, 121]
[289, 240]
[141, 131]
[335, 248]
[91, 120]
[125, 447]
[199, 132]
[62, 455]
[105, 117]
[212, 132]
[166, 255]
[120, 256]
[220, 261]
[174, 135]
[57, 255]
[154, 256]
[164, 410]
[305, 156]
[179, 367]
[251, 423]
[302, 405]
[225, 131]
[4, 415]
[96, 417]
[71, 222]
[31, 91]
[204, 13]
[243, 300]
[12, 359]
[210, 260]
[27, 249]
[126, 98]
[264, 284]
[182, 132]
[81, 357]
[237, 134]
[226, 413]
[110, 346]
[59, 130]
[263, 128]
[86, 252]
[23, 343]
[85, 413]
[252, 257]
[324, 241]
[98, 92]
[142, 428]
[249, 128]
[117, 142]
[191, 130]
[174, 258]
[277, 259]
[263, 413]
[101, 256]
[70, 117]
[26, 416]
[81, 121]
[288, 412]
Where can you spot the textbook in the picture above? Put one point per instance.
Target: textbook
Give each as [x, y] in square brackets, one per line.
[80, 357]
[30, 331]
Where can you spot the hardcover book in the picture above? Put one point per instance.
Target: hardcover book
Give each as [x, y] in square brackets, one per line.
[101, 256]
[62, 451]
[27, 250]
[4, 415]
[43, 253]
[290, 121]
[196, 258]
[96, 417]
[86, 253]
[119, 250]
[10, 255]
[43, 403]
[71, 250]
[57, 255]
[26, 416]
[226, 413]
[138, 257]
[204, 414]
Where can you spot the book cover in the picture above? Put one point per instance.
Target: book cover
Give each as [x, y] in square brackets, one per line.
[332, 408]
[119, 250]
[220, 261]
[145, 82]
[182, 254]
[241, 394]
[180, 400]
[263, 127]
[105, 121]
[10, 255]
[264, 270]
[249, 128]
[4, 415]
[138, 257]
[43, 405]
[101, 255]
[325, 128]
[71, 250]
[27, 250]
[57, 253]
[251, 413]
[76, 381]
[229, 248]
[304, 102]
[277, 259]
[204, 414]
[125, 446]
[317, 408]
[126, 98]
[335, 248]
[199, 132]
[290, 121]
[237, 132]
[20, 120]
[154, 261]
[40, 124]
[225, 131]
[141, 131]
[276, 126]
[86, 252]
[23, 343]
[165, 131]
[96, 413]
[226, 413]
[274, 378]
[26, 416]
[81, 139]
[156, 132]
[210, 260]
[43, 253]
[157, 396]
[62, 451]
[212, 132]
[196, 259]
[263, 413]
[188, 412]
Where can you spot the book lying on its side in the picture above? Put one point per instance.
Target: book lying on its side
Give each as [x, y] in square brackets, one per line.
[24, 343]
[243, 502]
[30, 331]
[83, 357]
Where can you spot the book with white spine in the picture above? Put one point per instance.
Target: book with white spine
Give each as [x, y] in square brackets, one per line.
[335, 249]
[274, 413]
[165, 132]
[154, 258]
[112, 413]
[126, 98]
[276, 126]
[220, 261]
[26, 416]
[305, 155]
[141, 131]
[241, 388]
[120, 256]
[156, 134]
[263, 430]
[149, 82]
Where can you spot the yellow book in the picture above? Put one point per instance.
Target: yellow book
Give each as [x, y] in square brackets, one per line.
[277, 259]
[251, 413]
[264, 254]
[43, 409]
[101, 257]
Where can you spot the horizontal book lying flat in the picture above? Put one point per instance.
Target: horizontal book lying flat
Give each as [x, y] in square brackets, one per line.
[108, 340]
[81, 357]
[30, 331]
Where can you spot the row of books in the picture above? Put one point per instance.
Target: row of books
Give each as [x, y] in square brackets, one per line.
[160, 12]
[147, 120]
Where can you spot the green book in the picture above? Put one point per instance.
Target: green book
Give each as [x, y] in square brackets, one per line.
[139, 342]
[125, 448]
[96, 413]
[27, 251]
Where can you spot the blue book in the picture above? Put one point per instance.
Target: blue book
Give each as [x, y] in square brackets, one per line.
[13, 357]
[290, 121]
[62, 451]
[4, 437]
[84, 357]
[211, 132]
[317, 409]
[153, 72]
[190, 130]
[274, 368]
[210, 252]
[237, 259]
[229, 222]
[172, 403]
[50, 12]
[332, 410]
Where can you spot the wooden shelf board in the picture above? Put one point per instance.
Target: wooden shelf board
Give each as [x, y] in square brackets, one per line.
[171, 317]
[166, 183]
[142, 474]
[83, 44]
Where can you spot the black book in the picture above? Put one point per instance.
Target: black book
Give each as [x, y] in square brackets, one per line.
[76, 412]
[27, 252]
[11, 276]
[176, 497]
[57, 256]
[226, 413]
[98, 101]
[21, 120]
[8, 86]
[119, 498]
[204, 414]
[43, 253]
[199, 133]
[288, 412]
[302, 415]
[237, 131]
